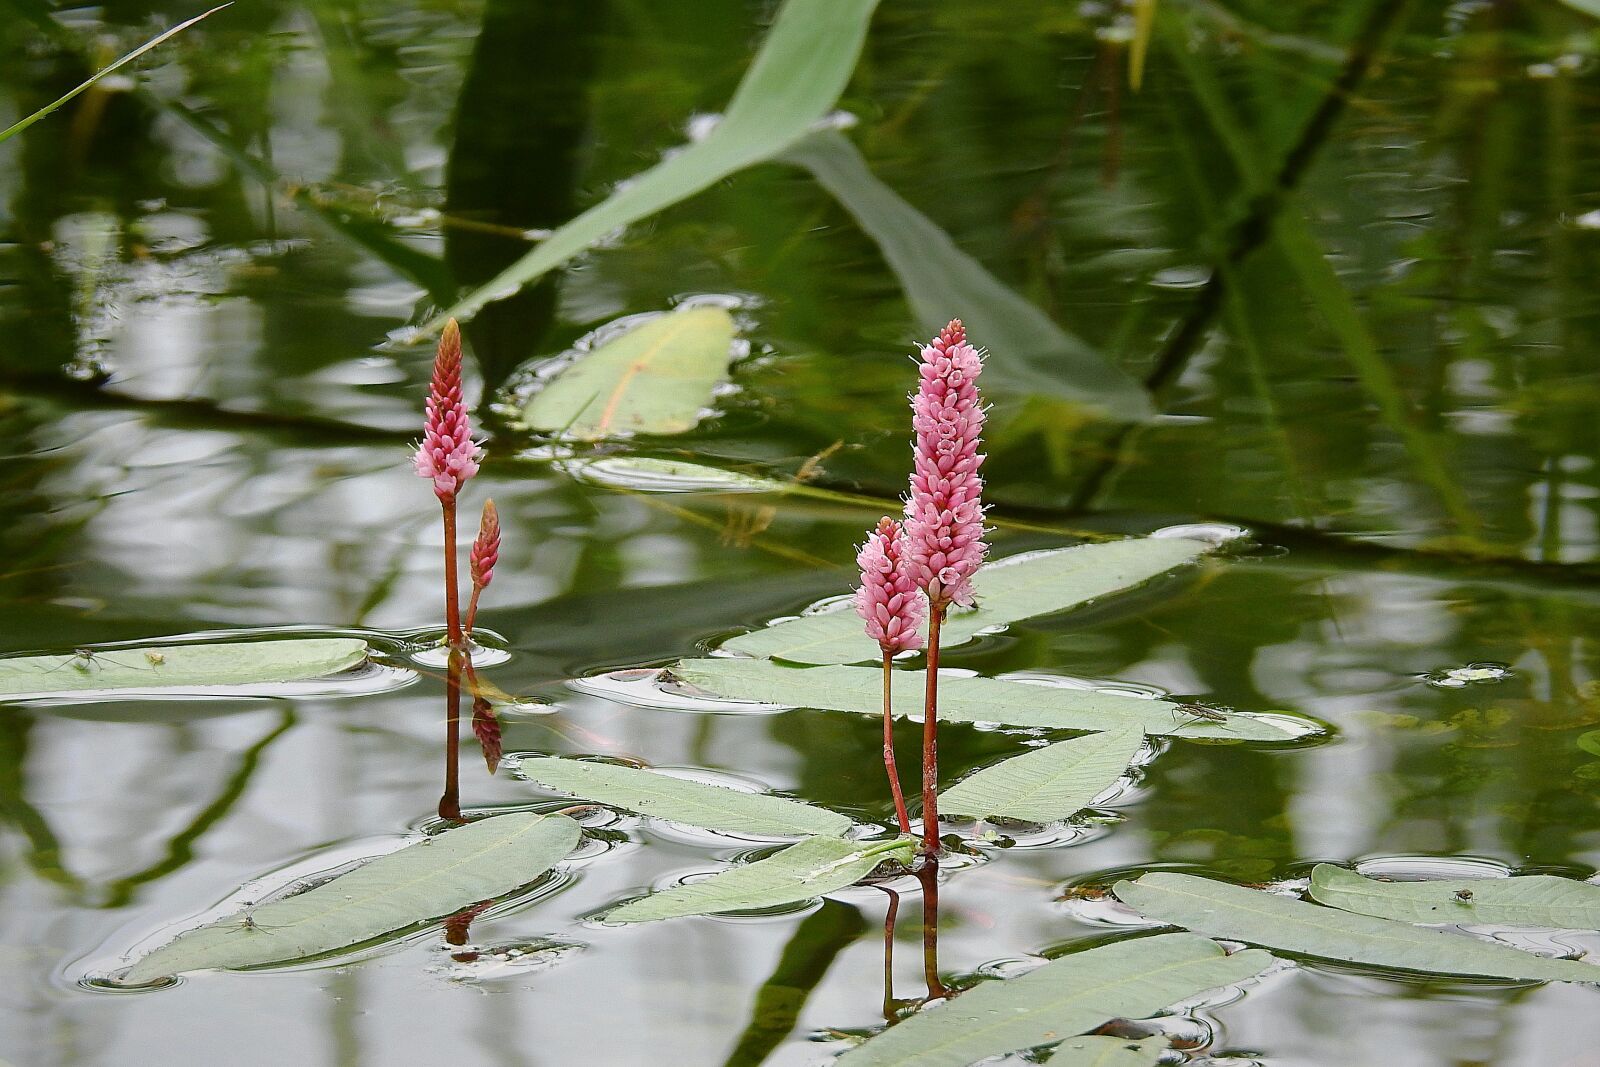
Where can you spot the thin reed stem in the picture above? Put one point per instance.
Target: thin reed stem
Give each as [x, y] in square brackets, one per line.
[930, 736]
[452, 593]
[888, 745]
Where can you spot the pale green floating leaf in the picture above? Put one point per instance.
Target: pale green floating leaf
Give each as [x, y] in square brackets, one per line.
[656, 378]
[1528, 900]
[793, 82]
[427, 880]
[812, 868]
[661, 796]
[860, 689]
[1067, 996]
[1008, 590]
[1100, 1051]
[647, 474]
[1218, 909]
[172, 666]
[1028, 354]
[1047, 783]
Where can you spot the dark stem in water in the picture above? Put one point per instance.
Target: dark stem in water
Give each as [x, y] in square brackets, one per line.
[928, 875]
[888, 746]
[450, 800]
[930, 736]
[889, 917]
[452, 594]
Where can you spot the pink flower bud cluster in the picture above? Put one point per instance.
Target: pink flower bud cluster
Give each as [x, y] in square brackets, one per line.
[888, 599]
[486, 549]
[448, 455]
[944, 516]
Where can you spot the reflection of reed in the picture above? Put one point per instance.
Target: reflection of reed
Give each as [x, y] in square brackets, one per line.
[927, 873]
[450, 800]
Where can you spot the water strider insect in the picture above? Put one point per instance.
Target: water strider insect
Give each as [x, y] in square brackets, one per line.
[1198, 713]
[82, 659]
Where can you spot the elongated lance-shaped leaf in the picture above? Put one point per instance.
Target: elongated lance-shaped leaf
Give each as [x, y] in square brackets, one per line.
[1048, 783]
[860, 689]
[655, 378]
[1028, 354]
[812, 868]
[1276, 922]
[173, 666]
[22, 124]
[1065, 997]
[1528, 900]
[794, 81]
[432, 878]
[661, 796]
[1101, 1051]
[1008, 590]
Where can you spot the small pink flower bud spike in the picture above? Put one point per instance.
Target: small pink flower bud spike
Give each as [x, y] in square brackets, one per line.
[890, 603]
[485, 554]
[944, 515]
[447, 457]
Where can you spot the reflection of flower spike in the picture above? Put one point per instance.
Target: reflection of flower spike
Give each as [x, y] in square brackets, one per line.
[485, 554]
[448, 455]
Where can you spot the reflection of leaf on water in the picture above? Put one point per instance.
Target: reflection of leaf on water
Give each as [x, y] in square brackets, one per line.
[656, 377]
[1065, 997]
[1219, 909]
[812, 868]
[661, 796]
[1009, 590]
[798, 74]
[1028, 353]
[434, 877]
[1047, 783]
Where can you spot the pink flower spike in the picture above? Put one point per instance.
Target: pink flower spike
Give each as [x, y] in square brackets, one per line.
[944, 515]
[888, 600]
[448, 456]
[486, 549]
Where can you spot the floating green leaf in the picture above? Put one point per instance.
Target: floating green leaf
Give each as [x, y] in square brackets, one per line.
[168, 666]
[1048, 783]
[860, 689]
[655, 378]
[22, 124]
[1009, 590]
[1065, 997]
[1276, 922]
[1529, 900]
[812, 868]
[434, 877]
[1099, 1051]
[646, 474]
[1028, 353]
[662, 796]
[794, 80]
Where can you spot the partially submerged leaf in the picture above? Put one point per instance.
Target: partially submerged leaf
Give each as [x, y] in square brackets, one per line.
[661, 796]
[427, 880]
[1529, 900]
[1067, 996]
[794, 81]
[167, 666]
[1101, 1051]
[1008, 590]
[1047, 783]
[1218, 909]
[860, 689]
[1028, 353]
[812, 868]
[655, 378]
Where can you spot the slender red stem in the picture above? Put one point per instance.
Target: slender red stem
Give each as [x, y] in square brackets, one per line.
[450, 799]
[452, 595]
[888, 746]
[472, 611]
[930, 736]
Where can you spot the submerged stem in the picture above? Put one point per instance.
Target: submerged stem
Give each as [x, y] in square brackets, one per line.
[930, 736]
[888, 746]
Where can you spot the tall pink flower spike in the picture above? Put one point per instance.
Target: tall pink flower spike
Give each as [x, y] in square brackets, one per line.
[944, 516]
[448, 456]
[485, 554]
[891, 605]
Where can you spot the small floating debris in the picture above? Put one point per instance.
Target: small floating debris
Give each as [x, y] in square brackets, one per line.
[1472, 674]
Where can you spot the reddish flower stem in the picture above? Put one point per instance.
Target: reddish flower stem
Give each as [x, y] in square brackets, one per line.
[888, 746]
[930, 736]
[452, 592]
[472, 611]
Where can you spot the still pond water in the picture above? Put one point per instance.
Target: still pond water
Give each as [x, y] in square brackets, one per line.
[1352, 248]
